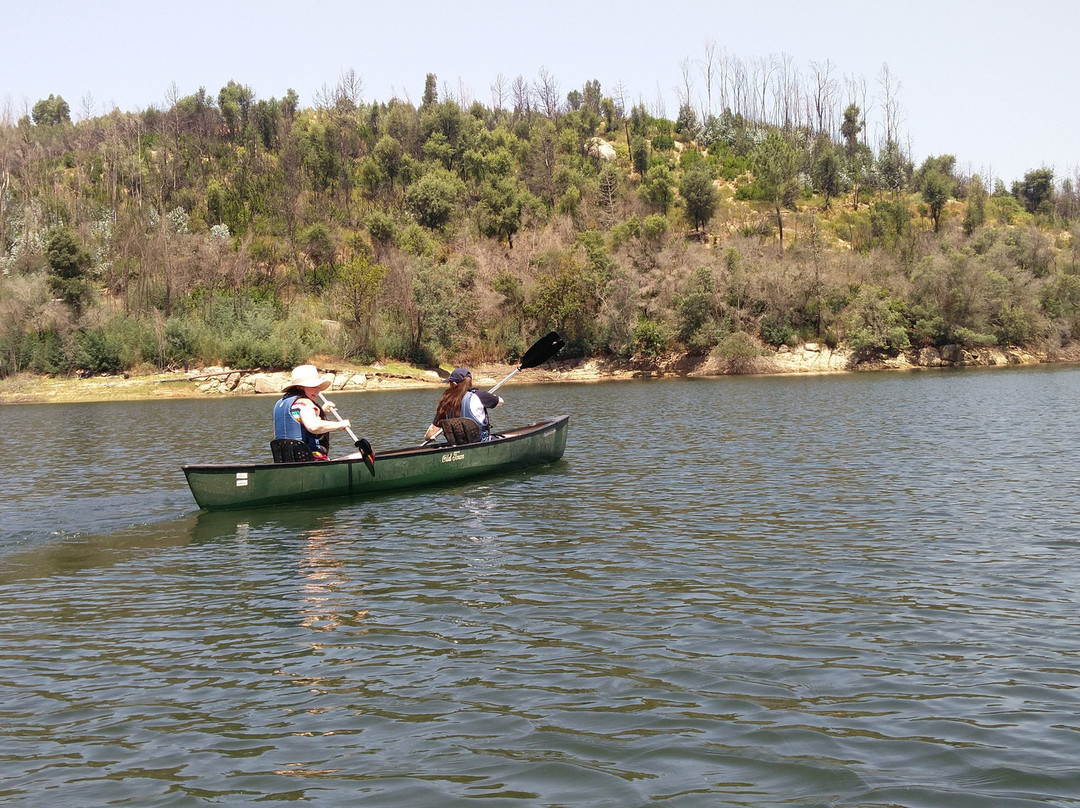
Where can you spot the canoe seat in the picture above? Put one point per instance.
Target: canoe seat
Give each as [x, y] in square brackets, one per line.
[460, 430]
[290, 450]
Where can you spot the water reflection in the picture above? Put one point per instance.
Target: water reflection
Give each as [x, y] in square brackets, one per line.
[328, 599]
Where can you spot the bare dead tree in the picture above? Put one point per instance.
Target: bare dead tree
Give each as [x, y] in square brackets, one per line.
[499, 92]
[324, 98]
[821, 99]
[761, 77]
[892, 114]
[786, 94]
[858, 94]
[547, 90]
[660, 105]
[522, 95]
[619, 97]
[350, 88]
[708, 67]
[684, 93]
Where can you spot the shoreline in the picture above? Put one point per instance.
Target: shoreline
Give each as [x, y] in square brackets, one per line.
[209, 382]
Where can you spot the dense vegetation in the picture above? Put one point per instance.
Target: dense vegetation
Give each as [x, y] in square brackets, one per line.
[257, 233]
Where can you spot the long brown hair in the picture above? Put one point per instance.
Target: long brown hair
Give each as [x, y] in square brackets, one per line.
[450, 403]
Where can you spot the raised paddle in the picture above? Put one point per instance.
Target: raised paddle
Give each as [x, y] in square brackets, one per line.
[367, 454]
[539, 352]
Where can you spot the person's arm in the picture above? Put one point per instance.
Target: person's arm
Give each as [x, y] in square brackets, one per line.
[432, 432]
[309, 417]
[489, 400]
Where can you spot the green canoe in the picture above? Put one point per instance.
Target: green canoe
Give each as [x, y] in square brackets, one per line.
[249, 485]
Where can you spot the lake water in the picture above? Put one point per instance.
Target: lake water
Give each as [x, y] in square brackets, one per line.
[854, 590]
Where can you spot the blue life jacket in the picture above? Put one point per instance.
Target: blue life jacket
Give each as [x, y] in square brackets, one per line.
[483, 423]
[285, 426]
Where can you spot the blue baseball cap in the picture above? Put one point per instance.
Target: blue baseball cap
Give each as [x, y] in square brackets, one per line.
[459, 374]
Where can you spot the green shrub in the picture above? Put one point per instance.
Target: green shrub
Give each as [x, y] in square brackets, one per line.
[776, 329]
[655, 228]
[649, 338]
[972, 339]
[738, 352]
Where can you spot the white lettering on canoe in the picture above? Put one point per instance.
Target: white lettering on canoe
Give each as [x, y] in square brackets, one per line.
[452, 456]
[241, 479]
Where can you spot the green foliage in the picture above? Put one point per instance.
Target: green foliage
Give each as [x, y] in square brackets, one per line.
[434, 198]
[382, 227]
[700, 195]
[876, 322]
[889, 222]
[639, 154]
[69, 264]
[650, 339]
[500, 207]
[51, 111]
[119, 343]
[567, 298]
[776, 329]
[972, 339]
[1036, 192]
[695, 312]
[738, 352]
[975, 209]
[658, 188]
[655, 228]
[446, 305]
[936, 190]
[827, 171]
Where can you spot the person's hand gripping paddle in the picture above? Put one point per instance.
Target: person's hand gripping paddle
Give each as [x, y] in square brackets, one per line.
[367, 454]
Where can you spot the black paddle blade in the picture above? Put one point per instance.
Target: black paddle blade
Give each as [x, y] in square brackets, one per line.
[542, 350]
[367, 454]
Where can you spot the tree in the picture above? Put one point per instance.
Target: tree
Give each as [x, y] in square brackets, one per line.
[700, 195]
[875, 322]
[776, 166]
[826, 173]
[975, 212]
[657, 187]
[388, 155]
[68, 266]
[1036, 192]
[937, 188]
[893, 168]
[434, 197]
[499, 210]
[355, 291]
[318, 246]
[431, 91]
[856, 155]
[235, 102]
[639, 154]
[50, 111]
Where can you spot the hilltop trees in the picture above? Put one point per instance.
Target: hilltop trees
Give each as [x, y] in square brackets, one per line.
[225, 227]
[51, 111]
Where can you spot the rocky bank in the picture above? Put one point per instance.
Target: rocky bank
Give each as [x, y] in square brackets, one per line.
[810, 358]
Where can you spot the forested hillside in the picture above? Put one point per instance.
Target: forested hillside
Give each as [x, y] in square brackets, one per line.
[253, 232]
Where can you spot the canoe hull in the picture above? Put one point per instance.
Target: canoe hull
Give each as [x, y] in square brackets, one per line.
[251, 485]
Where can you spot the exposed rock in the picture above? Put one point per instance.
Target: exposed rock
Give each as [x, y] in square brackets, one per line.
[598, 147]
[350, 381]
[267, 383]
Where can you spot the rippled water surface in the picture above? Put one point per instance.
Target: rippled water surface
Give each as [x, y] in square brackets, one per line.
[841, 591]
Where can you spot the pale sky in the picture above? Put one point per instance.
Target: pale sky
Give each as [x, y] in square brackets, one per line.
[992, 82]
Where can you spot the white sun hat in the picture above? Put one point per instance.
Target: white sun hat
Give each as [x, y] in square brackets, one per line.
[308, 376]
